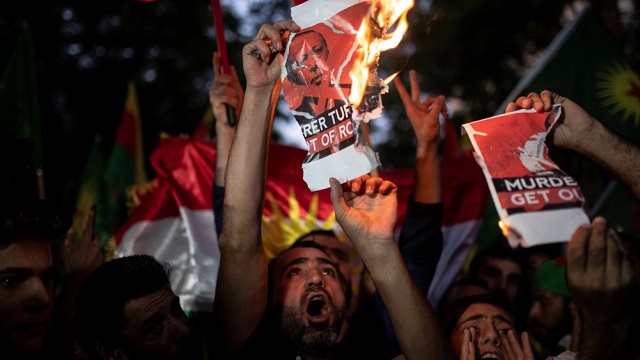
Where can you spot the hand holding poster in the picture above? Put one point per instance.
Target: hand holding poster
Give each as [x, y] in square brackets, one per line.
[537, 202]
[317, 85]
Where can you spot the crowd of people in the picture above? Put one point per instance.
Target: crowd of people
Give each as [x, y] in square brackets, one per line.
[573, 300]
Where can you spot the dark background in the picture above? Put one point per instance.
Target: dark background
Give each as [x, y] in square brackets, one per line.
[86, 52]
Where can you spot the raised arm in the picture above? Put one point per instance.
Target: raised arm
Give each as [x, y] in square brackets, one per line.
[368, 214]
[603, 278]
[225, 89]
[241, 291]
[423, 116]
[579, 131]
[421, 236]
[420, 239]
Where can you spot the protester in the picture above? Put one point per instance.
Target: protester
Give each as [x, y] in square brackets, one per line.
[533, 257]
[420, 239]
[482, 326]
[37, 315]
[551, 312]
[241, 308]
[460, 288]
[127, 310]
[28, 276]
[499, 267]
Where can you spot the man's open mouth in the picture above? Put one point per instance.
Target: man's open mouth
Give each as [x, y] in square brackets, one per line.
[317, 309]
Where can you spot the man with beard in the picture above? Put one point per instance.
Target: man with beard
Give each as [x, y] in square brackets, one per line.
[551, 313]
[304, 315]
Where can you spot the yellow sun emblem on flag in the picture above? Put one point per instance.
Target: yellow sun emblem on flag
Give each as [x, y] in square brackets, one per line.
[280, 231]
[620, 90]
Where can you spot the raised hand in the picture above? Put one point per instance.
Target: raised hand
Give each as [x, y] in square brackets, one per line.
[81, 255]
[423, 115]
[517, 349]
[468, 347]
[574, 127]
[262, 57]
[366, 208]
[600, 273]
[225, 89]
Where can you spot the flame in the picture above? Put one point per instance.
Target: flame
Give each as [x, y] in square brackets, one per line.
[504, 228]
[373, 38]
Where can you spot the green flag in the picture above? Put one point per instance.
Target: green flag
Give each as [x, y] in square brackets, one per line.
[583, 64]
[19, 109]
[125, 167]
[92, 193]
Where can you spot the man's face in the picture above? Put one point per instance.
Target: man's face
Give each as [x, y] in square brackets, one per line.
[308, 56]
[337, 251]
[549, 315]
[533, 262]
[157, 328]
[310, 293]
[491, 325]
[502, 277]
[26, 294]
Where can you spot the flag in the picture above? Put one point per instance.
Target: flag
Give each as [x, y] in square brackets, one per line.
[583, 64]
[19, 108]
[92, 193]
[175, 221]
[125, 167]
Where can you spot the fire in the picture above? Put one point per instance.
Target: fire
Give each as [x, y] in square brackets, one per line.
[374, 37]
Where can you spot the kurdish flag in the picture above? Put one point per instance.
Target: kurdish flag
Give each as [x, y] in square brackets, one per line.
[175, 222]
[92, 193]
[583, 64]
[125, 167]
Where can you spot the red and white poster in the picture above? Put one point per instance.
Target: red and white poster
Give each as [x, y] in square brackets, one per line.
[537, 202]
[316, 86]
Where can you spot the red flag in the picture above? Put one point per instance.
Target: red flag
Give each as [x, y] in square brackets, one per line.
[175, 222]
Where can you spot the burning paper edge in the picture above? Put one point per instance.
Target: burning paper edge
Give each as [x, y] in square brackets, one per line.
[523, 226]
[518, 227]
[345, 165]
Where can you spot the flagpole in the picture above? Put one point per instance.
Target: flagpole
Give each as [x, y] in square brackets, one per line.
[222, 49]
[544, 59]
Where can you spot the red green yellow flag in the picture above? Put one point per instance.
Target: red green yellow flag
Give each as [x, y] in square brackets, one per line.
[92, 193]
[126, 163]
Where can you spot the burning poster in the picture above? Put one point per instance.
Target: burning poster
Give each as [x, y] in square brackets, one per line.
[319, 88]
[537, 202]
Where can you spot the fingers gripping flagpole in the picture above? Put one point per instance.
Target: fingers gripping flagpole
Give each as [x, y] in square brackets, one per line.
[222, 49]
